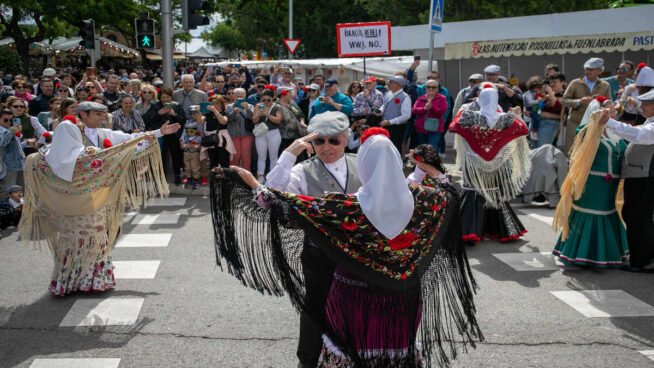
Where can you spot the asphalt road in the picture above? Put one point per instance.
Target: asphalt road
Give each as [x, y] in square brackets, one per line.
[194, 315]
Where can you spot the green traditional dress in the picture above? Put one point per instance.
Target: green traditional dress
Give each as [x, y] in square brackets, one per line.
[597, 235]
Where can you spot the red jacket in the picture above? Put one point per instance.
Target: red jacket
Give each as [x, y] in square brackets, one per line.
[437, 110]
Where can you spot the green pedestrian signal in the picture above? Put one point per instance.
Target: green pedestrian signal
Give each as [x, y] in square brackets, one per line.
[145, 41]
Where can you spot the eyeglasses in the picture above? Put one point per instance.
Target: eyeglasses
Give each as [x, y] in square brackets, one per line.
[623, 69]
[195, 113]
[146, 92]
[431, 87]
[18, 106]
[220, 81]
[261, 87]
[266, 100]
[5, 120]
[20, 87]
[62, 90]
[332, 140]
[229, 93]
[431, 78]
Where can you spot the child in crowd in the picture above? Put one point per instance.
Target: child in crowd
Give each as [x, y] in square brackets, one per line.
[534, 102]
[190, 142]
[11, 207]
[357, 128]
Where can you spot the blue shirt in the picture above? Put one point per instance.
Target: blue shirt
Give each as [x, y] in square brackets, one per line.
[616, 86]
[319, 107]
[12, 153]
[590, 84]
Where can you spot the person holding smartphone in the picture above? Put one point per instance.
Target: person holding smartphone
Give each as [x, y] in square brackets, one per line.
[11, 157]
[239, 127]
[267, 112]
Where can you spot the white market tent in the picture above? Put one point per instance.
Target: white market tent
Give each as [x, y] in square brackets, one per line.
[378, 66]
[201, 53]
[522, 46]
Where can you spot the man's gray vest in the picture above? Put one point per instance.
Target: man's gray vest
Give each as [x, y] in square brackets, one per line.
[101, 138]
[392, 109]
[639, 159]
[320, 180]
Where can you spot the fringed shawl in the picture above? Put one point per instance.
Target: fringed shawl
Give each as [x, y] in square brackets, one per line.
[61, 214]
[494, 161]
[262, 248]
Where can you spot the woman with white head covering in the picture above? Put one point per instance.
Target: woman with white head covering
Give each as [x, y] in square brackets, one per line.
[631, 111]
[75, 198]
[592, 233]
[493, 156]
[401, 272]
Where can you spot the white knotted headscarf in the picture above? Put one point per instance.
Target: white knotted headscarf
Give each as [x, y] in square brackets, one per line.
[384, 196]
[487, 101]
[645, 77]
[66, 146]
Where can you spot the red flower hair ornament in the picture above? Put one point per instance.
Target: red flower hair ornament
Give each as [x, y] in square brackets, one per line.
[47, 135]
[107, 143]
[641, 65]
[374, 131]
[71, 118]
[601, 99]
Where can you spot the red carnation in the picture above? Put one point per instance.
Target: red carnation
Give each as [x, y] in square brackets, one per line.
[348, 203]
[601, 99]
[402, 241]
[47, 135]
[198, 133]
[305, 89]
[397, 100]
[488, 86]
[71, 118]
[18, 134]
[107, 143]
[374, 131]
[350, 225]
[284, 92]
[641, 65]
[419, 158]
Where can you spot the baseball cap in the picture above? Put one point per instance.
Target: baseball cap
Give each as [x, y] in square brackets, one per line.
[330, 82]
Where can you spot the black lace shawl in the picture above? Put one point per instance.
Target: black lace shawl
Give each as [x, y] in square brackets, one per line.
[262, 247]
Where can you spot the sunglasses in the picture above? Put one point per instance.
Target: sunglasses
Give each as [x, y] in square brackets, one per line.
[20, 87]
[266, 100]
[62, 90]
[320, 141]
[194, 113]
[261, 87]
[190, 130]
[5, 120]
[431, 87]
[623, 69]
[220, 82]
[18, 106]
[147, 92]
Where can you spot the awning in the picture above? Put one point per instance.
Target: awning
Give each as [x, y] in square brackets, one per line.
[379, 66]
[611, 42]
[157, 57]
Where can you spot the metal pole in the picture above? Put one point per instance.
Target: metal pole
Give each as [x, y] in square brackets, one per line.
[431, 51]
[364, 68]
[290, 24]
[167, 43]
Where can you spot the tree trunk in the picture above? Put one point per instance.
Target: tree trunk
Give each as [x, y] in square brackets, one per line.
[23, 49]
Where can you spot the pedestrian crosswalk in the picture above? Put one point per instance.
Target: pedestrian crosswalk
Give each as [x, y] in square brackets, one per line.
[144, 240]
[533, 261]
[109, 311]
[605, 303]
[135, 269]
[76, 363]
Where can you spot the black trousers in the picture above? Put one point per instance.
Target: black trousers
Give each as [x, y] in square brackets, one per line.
[397, 135]
[318, 274]
[218, 156]
[637, 213]
[172, 151]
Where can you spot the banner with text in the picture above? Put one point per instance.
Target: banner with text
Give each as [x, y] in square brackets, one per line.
[551, 46]
[363, 39]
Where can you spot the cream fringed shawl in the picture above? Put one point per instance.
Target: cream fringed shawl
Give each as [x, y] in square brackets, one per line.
[582, 155]
[87, 212]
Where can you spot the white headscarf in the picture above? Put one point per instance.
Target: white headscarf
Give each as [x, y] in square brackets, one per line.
[384, 196]
[645, 77]
[66, 146]
[488, 105]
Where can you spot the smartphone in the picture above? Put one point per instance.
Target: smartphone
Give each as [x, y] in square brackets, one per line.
[92, 71]
[210, 67]
[239, 102]
[321, 99]
[416, 57]
[236, 65]
[15, 121]
[262, 106]
[168, 105]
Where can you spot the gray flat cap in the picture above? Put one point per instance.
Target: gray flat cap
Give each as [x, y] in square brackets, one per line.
[492, 69]
[594, 63]
[476, 76]
[645, 97]
[14, 188]
[397, 79]
[91, 106]
[329, 123]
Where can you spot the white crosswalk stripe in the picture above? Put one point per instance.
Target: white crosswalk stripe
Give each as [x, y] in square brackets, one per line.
[170, 201]
[135, 269]
[534, 261]
[144, 240]
[110, 311]
[160, 219]
[648, 353]
[76, 363]
[605, 303]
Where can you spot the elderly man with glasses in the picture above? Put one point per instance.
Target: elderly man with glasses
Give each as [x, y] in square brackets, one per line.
[621, 79]
[330, 170]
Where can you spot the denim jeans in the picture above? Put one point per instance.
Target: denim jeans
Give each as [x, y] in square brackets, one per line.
[429, 138]
[546, 131]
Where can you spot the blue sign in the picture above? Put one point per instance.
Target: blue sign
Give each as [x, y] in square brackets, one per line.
[436, 16]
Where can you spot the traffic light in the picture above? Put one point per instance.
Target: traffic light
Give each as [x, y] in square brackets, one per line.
[144, 33]
[190, 18]
[87, 32]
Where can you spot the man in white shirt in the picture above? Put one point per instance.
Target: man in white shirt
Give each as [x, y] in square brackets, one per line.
[396, 111]
[92, 114]
[638, 172]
